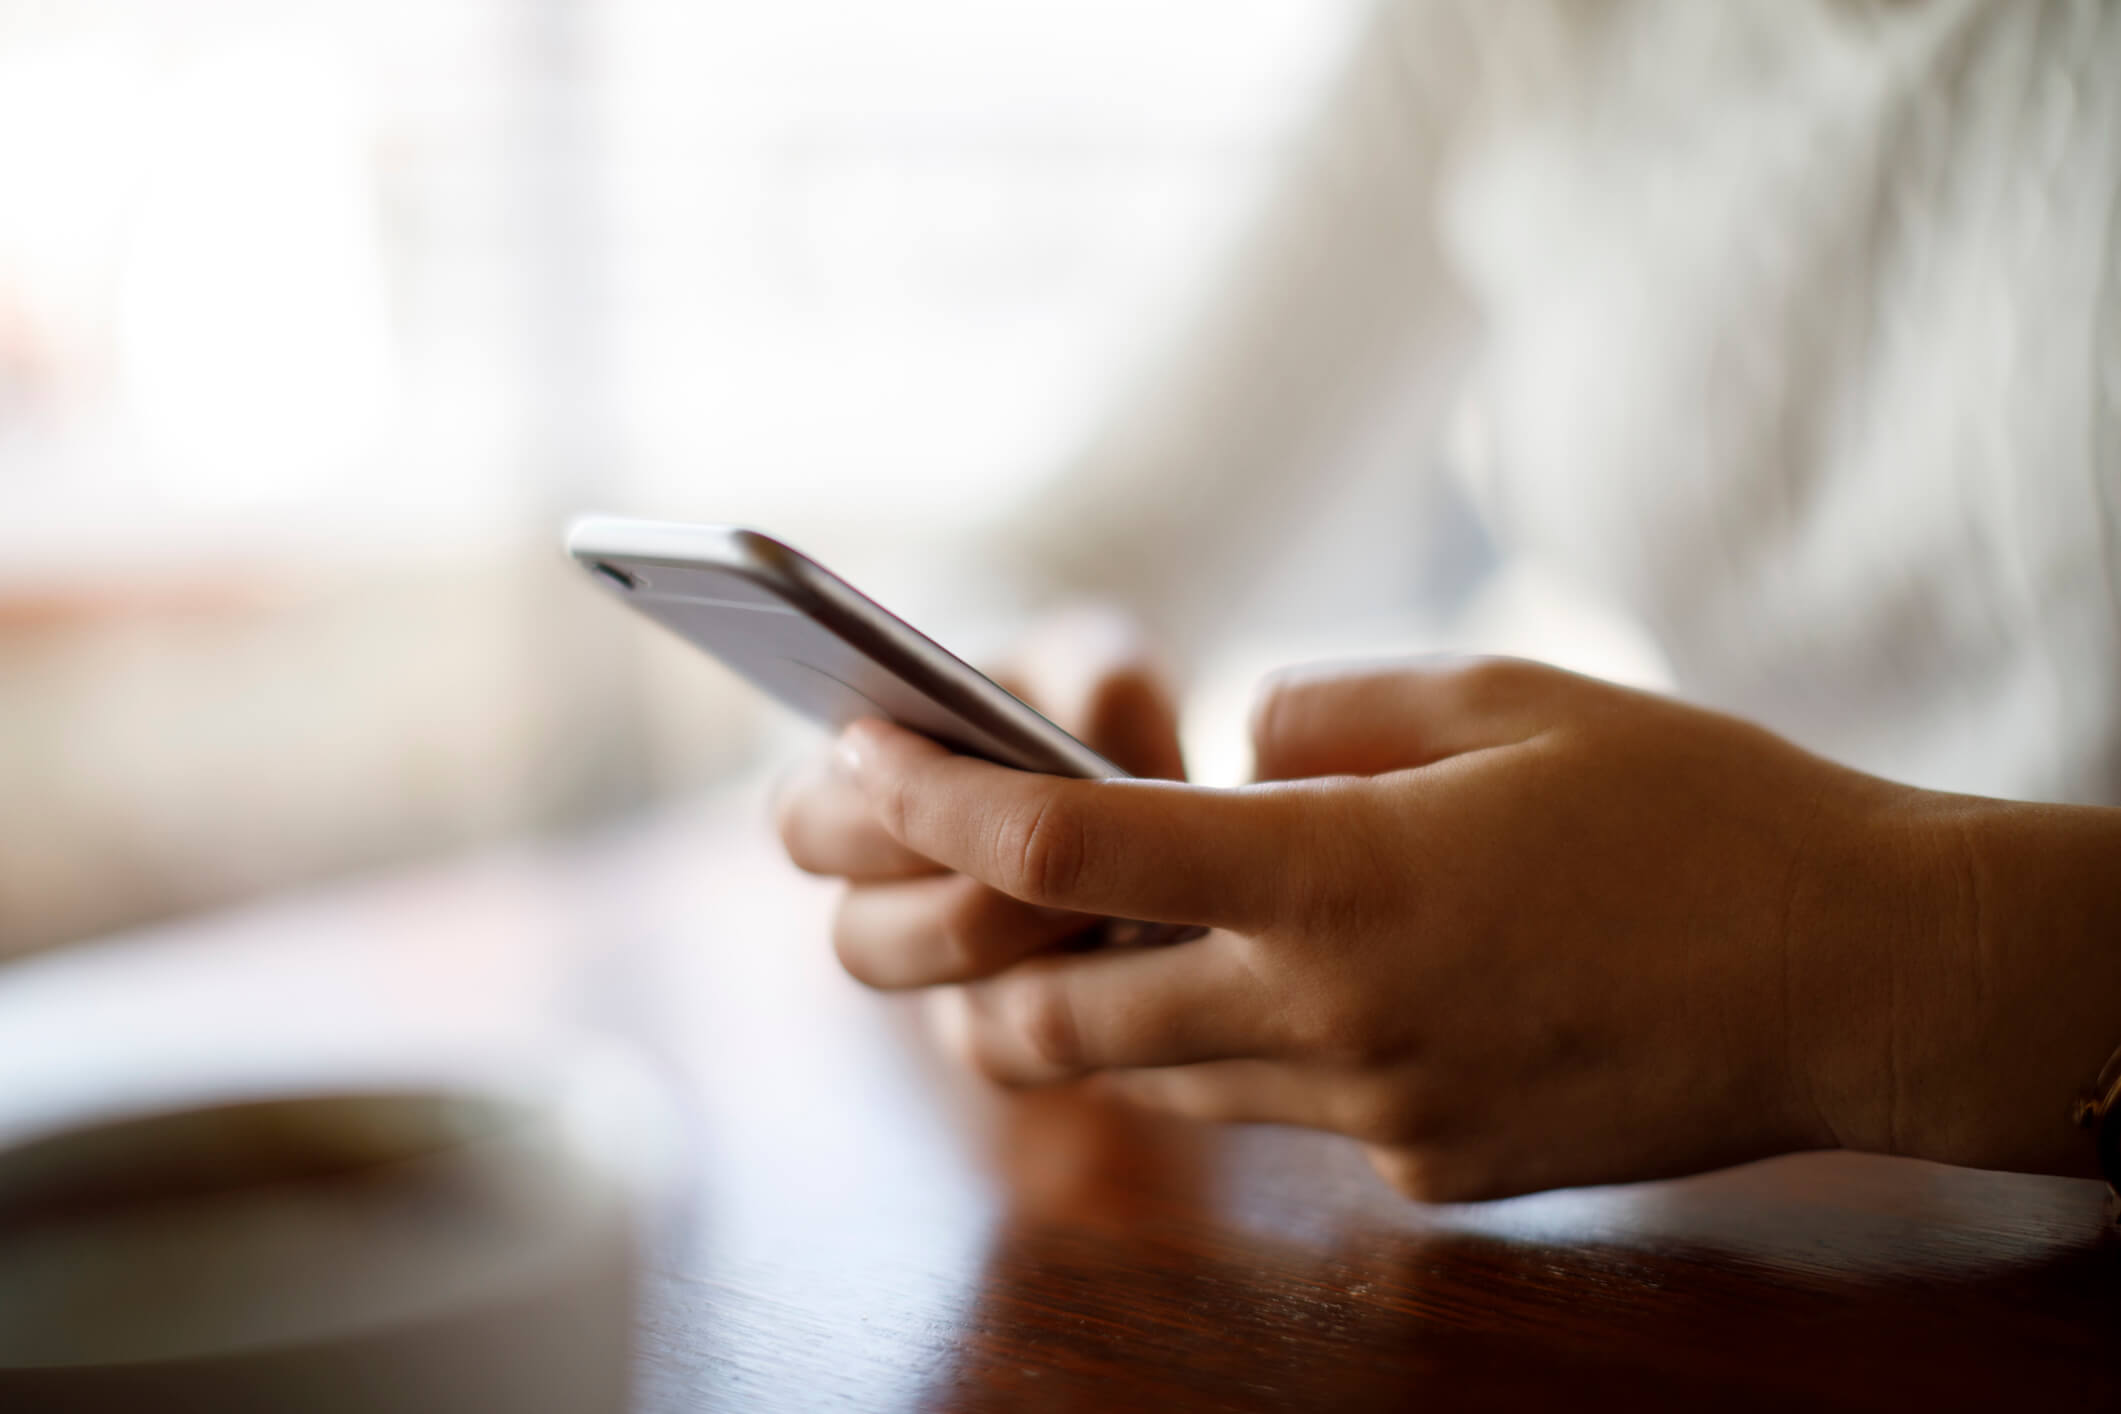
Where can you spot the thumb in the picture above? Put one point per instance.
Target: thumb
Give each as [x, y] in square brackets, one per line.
[1367, 718]
[1160, 851]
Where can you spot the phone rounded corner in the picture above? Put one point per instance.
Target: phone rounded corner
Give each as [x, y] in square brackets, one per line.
[579, 531]
[737, 550]
[758, 555]
[772, 565]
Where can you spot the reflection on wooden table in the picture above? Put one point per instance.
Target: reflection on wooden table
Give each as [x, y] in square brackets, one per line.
[855, 1226]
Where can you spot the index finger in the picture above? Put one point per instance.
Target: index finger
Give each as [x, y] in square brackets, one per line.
[827, 827]
[1155, 850]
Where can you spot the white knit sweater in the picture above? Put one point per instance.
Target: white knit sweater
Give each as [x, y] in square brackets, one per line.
[1794, 328]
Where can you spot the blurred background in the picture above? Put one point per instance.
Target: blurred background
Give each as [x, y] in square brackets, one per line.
[319, 318]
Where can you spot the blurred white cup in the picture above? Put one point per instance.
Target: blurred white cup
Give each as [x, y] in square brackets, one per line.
[403, 1250]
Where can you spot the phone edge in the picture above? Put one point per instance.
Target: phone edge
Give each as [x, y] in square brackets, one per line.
[857, 619]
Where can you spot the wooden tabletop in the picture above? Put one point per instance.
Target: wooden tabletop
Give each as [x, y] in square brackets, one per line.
[853, 1225]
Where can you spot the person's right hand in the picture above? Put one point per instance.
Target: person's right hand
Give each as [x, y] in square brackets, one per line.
[905, 920]
[1507, 927]
[1512, 929]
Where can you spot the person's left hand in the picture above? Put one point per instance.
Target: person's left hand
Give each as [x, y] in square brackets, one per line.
[1509, 927]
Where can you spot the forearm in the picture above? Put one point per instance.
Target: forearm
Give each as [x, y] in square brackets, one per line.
[1995, 995]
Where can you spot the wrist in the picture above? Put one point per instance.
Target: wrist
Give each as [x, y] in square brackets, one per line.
[1973, 952]
[1864, 922]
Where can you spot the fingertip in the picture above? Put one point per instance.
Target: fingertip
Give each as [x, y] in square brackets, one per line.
[947, 1011]
[862, 743]
[851, 750]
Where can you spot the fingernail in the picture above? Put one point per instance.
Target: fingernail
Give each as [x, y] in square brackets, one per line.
[847, 753]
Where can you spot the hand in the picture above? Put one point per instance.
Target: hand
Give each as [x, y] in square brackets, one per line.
[1510, 928]
[904, 919]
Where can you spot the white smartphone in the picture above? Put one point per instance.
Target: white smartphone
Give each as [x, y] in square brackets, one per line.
[819, 645]
[813, 641]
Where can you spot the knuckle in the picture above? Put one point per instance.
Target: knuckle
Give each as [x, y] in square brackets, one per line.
[1044, 1023]
[1485, 684]
[964, 930]
[989, 1066]
[1348, 1027]
[1397, 1114]
[1430, 1175]
[851, 943]
[791, 822]
[1341, 874]
[1338, 894]
[1118, 699]
[1042, 854]
[1275, 710]
[890, 804]
[1402, 1170]
[947, 1014]
[1311, 1023]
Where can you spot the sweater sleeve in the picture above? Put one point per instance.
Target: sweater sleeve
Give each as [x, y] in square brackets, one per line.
[1332, 310]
